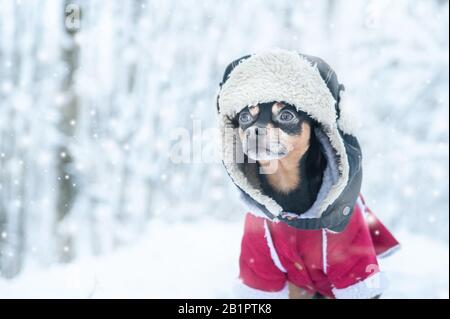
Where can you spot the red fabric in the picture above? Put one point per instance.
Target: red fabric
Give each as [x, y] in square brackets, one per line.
[381, 236]
[350, 254]
[256, 266]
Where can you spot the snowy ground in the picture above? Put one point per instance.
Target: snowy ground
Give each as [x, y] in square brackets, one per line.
[201, 262]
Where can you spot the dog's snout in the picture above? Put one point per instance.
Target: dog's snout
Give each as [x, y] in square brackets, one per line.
[256, 131]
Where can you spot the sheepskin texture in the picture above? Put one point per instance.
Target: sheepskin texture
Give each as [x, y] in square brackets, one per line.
[346, 119]
[283, 76]
[324, 251]
[278, 75]
[273, 251]
[371, 287]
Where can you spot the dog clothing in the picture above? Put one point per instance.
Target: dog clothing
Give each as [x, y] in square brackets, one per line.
[335, 265]
[331, 248]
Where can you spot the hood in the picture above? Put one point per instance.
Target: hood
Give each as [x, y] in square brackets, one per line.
[311, 86]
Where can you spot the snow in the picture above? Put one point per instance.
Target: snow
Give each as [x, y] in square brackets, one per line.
[200, 260]
[92, 121]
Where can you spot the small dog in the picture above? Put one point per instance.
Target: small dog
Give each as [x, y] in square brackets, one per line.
[282, 141]
[289, 148]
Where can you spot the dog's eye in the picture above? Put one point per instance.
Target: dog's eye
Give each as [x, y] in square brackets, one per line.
[286, 116]
[245, 118]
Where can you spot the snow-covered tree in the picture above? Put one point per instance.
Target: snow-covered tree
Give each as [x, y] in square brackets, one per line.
[94, 93]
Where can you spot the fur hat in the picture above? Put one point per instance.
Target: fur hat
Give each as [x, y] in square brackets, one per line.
[311, 86]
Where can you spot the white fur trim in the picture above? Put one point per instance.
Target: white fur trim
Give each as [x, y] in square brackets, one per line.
[273, 251]
[346, 121]
[242, 291]
[364, 212]
[390, 252]
[324, 250]
[278, 75]
[362, 207]
[332, 181]
[281, 75]
[232, 155]
[360, 203]
[369, 288]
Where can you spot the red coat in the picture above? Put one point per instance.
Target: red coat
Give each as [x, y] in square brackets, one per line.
[337, 265]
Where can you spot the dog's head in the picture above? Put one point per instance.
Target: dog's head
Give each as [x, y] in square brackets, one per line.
[271, 131]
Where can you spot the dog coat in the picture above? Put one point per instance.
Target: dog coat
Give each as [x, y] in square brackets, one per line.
[331, 248]
[336, 265]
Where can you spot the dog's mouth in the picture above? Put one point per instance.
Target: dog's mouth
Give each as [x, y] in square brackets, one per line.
[265, 151]
[264, 154]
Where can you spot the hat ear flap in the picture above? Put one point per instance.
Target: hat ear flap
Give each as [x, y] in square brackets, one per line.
[227, 73]
[231, 67]
[329, 77]
[217, 98]
[338, 104]
[347, 119]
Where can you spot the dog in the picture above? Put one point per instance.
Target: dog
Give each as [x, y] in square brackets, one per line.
[289, 148]
[282, 142]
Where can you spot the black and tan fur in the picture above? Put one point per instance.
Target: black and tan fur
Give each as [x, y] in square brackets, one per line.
[293, 176]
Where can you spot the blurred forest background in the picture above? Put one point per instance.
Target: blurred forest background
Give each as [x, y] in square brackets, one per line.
[91, 90]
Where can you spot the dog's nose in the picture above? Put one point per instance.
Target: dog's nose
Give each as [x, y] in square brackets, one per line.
[256, 131]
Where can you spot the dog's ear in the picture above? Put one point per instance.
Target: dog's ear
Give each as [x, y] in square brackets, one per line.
[316, 161]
